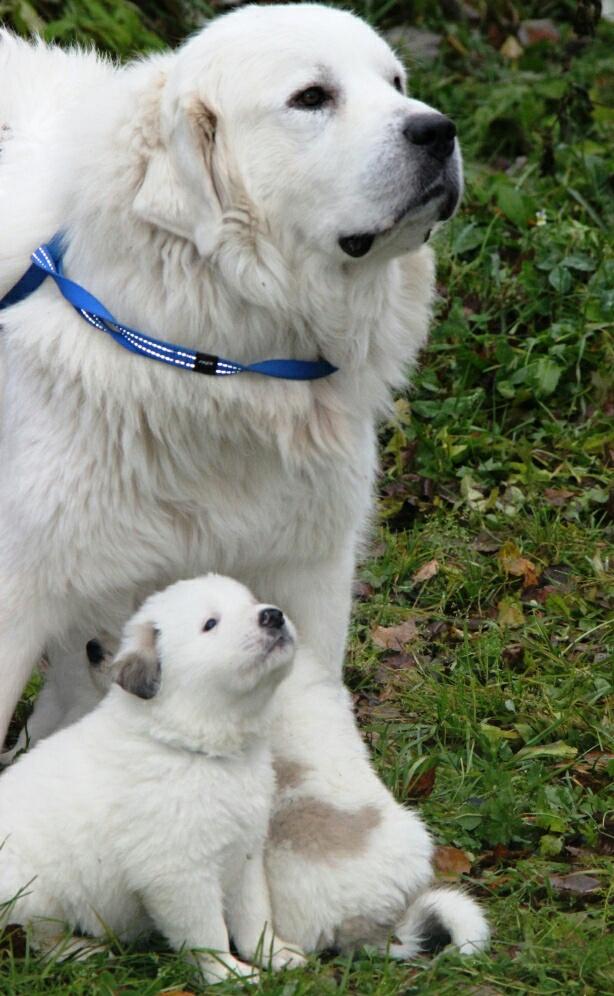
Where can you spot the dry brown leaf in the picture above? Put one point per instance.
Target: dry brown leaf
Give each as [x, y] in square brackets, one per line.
[512, 562]
[422, 786]
[558, 496]
[428, 570]
[395, 637]
[451, 862]
[577, 883]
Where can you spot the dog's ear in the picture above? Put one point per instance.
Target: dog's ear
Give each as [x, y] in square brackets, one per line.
[137, 668]
[178, 192]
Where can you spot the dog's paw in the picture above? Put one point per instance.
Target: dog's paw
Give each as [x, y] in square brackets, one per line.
[225, 968]
[286, 956]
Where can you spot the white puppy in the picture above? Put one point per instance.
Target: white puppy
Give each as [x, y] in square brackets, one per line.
[263, 191]
[347, 865]
[152, 810]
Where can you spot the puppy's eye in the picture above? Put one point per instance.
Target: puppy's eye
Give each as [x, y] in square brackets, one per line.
[210, 624]
[311, 99]
[398, 84]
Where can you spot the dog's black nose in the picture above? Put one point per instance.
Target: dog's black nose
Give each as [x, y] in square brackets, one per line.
[271, 618]
[94, 651]
[434, 132]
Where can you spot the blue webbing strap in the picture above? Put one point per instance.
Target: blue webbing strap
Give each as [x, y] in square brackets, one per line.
[47, 262]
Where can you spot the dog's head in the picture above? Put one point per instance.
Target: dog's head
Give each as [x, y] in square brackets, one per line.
[296, 117]
[202, 644]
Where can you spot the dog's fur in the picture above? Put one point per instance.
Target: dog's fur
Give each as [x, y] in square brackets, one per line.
[152, 810]
[202, 205]
[347, 865]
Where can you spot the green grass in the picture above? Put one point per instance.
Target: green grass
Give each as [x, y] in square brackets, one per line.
[497, 719]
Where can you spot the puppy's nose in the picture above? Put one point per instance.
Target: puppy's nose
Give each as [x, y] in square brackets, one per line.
[434, 132]
[271, 618]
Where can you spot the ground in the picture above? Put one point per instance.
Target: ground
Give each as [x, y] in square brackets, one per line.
[481, 653]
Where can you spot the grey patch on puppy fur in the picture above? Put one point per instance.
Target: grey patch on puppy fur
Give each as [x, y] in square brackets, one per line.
[139, 671]
[289, 774]
[434, 935]
[321, 831]
[359, 930]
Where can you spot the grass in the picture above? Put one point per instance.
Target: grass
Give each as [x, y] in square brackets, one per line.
[496, 718]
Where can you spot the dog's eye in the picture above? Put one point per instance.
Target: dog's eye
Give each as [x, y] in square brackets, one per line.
[210, 624]
[311, 99]
[398, 84]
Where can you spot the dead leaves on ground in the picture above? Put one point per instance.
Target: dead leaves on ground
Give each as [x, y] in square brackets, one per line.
[427, 571]
[575, 884]
[512, 562]
[395, 637]
[451, 862]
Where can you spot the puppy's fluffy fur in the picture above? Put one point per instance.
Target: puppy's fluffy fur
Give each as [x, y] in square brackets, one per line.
[346, 865]
[202, 203]
[152, 810]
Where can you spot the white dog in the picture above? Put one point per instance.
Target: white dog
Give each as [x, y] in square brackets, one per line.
[153, 809]
[264, 191]
[347, 866]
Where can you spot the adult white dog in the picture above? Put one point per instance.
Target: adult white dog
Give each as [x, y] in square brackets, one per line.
[152, 811]
[264, 191]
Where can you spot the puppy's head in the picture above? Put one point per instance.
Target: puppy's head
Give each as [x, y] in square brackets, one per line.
[206, 643]
[295, 118]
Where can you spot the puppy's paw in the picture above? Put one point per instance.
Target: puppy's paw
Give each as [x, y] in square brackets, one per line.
[223, 969]
[286, 955]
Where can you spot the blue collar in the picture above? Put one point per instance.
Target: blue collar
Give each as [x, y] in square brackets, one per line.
[47, 262]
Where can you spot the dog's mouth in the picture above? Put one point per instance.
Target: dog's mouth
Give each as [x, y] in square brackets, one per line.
[359, 244]
[279, 640]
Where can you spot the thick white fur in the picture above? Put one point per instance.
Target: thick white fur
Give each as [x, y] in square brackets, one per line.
[200, 206]
[152, 812]
[347, 865]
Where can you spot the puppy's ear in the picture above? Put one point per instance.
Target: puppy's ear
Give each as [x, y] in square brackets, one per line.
[178, 192]
[137, 668]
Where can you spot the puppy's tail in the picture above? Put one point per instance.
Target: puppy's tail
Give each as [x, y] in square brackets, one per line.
[438, 917]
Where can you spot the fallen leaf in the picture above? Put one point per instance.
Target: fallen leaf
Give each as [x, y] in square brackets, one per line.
[451, 862]
[510, 613]
[398, 662]
[558, 496]
[395, 637]
[593, 768]
[421, 786]
[428, 570]
[512, 562]
[577, 883]
[485, 543]
[556, 749]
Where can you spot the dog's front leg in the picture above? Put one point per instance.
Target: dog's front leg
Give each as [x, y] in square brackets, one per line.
[188, 910]
[250, 919]
[24, 629]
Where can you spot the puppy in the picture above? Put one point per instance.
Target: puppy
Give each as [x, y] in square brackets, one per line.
[347, 865]
[152, 810]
